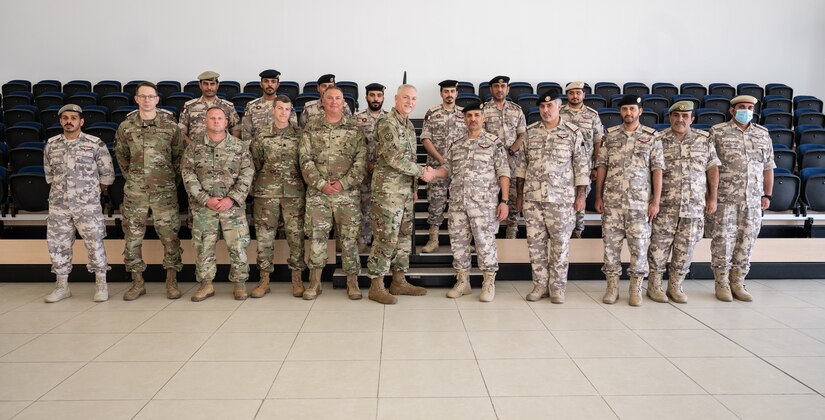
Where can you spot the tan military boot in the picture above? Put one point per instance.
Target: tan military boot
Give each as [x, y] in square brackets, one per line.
[314, 288]
[635, 291]
[378, 293]
[723, 286]
[297, 283]
[654, 288]
[172, 291]
[611, 294]
[101, 288]
[61, 290]
[239, 291]
[138, 288]
[432, 244]
[462, 284]
[353, 292]
[204, 292]
[400, 286]
[557, 294]
[674, 288]
[488, 287]
[512, 232]
[737, 285]
[538, 292]
[263, 286]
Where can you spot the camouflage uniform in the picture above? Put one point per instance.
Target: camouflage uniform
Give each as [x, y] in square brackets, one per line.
[744, 155]
[333, 151]
[443, 127]
[680, 221]
[588, 121]
[76, 169]
[257, 116]
[507, 124]
[367, 121]
[629, 160]
[221, 169]
[315, 108]
[394, 182]
[475, 166]
[555, 162]
[193, 115]
[149, 153]
[278, 189]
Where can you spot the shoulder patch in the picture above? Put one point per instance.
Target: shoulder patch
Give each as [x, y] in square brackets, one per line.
[587, 108]
[614, 128]
[514, 104]
[761, 127]
[434, 109]
[648, 130]
[702, 133]
[571, 126]
[719, 126]
[534, 125]
[189, 102]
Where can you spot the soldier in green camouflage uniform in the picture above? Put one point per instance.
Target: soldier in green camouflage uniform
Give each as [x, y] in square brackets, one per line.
[552, 178]
[315, 108]
[443, 125]
[691, 174]
[77, 166]
[217, 172]
[333, 156]
[367, 120]
[394, 186]
[588, 121]
[505, 119]
[279, 190]
[630, 162]
[745, 187]
[149, 147]
[257, 115]
[193, 114]
[478, 165]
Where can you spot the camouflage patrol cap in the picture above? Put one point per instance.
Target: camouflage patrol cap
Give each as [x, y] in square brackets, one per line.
[327, 78]
[473, 106]
[574, 85]
[500, 79]
[208, 75]
[549, 95]
[270, 74]
[375, 87]
[748, 99]
[681, 106]
[449, 83]
[70, 107]
[630, 100]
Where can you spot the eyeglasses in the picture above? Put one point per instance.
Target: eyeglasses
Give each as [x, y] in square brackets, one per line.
[146, 97]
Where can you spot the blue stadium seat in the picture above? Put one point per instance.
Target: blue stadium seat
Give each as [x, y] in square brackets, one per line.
[666, 90]
[22, 133]
[29, 190]
[780, 171]
[484, 91]
[783, 136]
[115, 194]
[776, 116]
[4, 190]
[785, 192]
[606, 90]
[595, 101]
[18, 114]
[193, 87]
[520, 88]
[352, 103]
[120, 114]
[533, 115]
[696, 90]
[230, 88]
[809, 117]
[303, 98]
[466, 87]
[16, 86]
[115, 100]
[635, 88]
[465, 99]
[722, 89]
[751, 89]
[52, 130]
[807, 102]
[104, 131]
[178, 100]
[610, 117]
[77, 86]
[348, 88]
[310, 87]
[254, 87]
[289, 88]
[709, 116]
[241, 99]
[784, 158]
[810, 134]
[168, 87]
[658, 103]
[777, 102]
[83, 99]
[49, 99]
[93, 114]
[130, 88]
[813, 184]
[812, 157]
[16, 99]
[107, 87]
[526, 101]
[27, 154]
[779, 89]
[615, 99]
[545, 87]
[717, 102]
[49, 117]
[44, 86]
[649, 117]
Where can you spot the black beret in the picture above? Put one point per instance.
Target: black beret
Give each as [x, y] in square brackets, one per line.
[499, 79]
[630, 100]
[327, 78]
[375, 86]
[270, 74]
[547, 96]
[473, 106]
[448, 83]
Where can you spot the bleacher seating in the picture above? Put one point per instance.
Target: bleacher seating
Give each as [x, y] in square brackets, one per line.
[545, 87]
[107, 87]
[230, 88]
[466, 87]
[606, 90]
[664, 89]
[635, 88]
[44, 86]
[722, 89]
[168, 87]
[751, 89]
[785, 192]
[290, 89]
[49, 99]
[610, 117]
[595, 101]
[77, 86]
[29, 190]
[696, 90]
[464, 99]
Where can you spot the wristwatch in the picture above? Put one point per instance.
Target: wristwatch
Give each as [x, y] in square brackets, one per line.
[768, 196]
[504, 201]
[510, 151]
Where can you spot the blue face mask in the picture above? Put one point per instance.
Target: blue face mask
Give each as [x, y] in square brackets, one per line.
[743, 116]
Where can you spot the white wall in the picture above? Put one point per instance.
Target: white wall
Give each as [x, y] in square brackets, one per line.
[371, 40]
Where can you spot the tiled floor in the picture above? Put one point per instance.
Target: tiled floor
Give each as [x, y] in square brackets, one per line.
[426, 358]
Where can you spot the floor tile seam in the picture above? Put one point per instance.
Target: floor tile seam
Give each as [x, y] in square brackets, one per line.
[37, 335]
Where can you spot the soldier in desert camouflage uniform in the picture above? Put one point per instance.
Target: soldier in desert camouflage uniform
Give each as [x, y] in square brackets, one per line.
[478, 165]
[279, 190]
[149, 147]
[443, 125]
[505, 120]
[587, 119]
[315, 108]
[77, 166]
[551, 179]
[217, 172]
[367, 120]
[193, 115]
[745, 187]
[394, 186]
[691, 174]
[257, 114]
[333, 156]
[629, 159]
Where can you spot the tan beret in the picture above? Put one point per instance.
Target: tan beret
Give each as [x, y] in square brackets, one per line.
[748, 99]
[574, 85]
[70, 107]
[681, 106]
[208, 75]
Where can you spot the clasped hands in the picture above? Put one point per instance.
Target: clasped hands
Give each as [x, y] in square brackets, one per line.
[429, 174]
[332, 187]
[220, 204]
